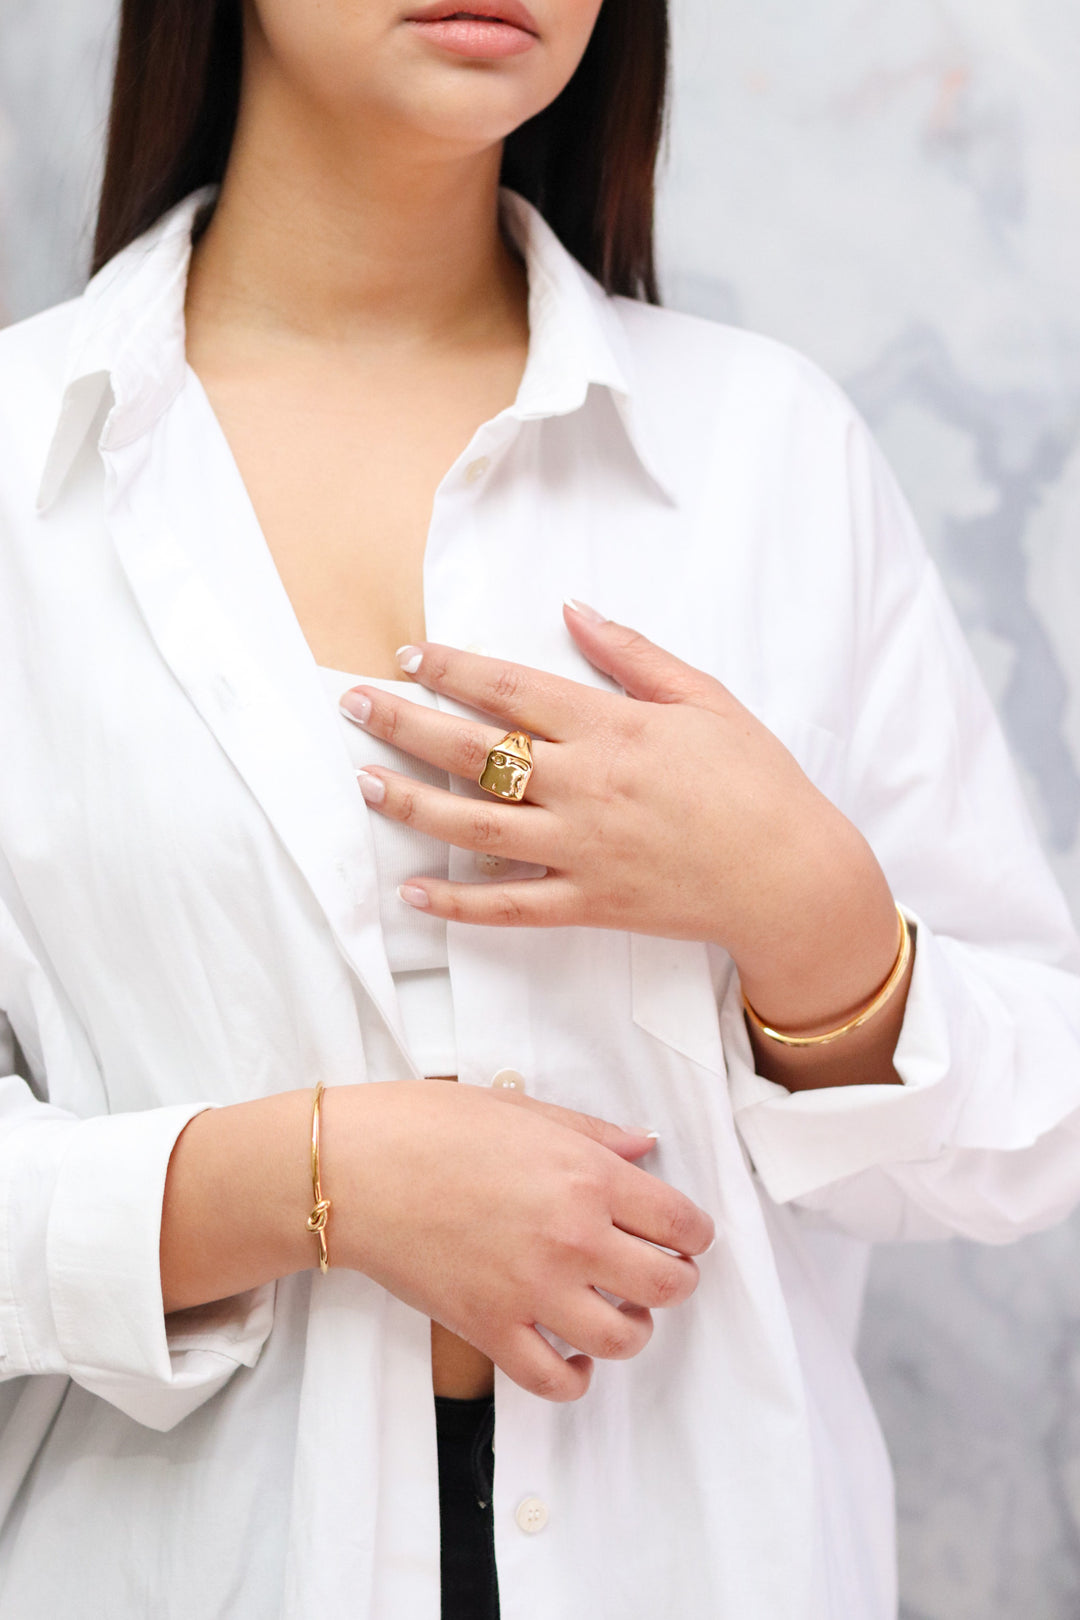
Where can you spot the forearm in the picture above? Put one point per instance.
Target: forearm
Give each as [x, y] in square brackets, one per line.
[237, 1196]
[829, 953]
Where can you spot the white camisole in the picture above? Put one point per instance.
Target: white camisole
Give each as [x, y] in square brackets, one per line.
[415, 941]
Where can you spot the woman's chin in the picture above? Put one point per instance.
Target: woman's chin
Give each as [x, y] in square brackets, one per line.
[463, 112]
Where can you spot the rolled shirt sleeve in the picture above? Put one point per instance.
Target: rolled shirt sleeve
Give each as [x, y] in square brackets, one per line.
[80, 1291]
[980, 1136]
[80, 1227]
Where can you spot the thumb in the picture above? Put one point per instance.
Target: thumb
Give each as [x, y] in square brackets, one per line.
[643, 670]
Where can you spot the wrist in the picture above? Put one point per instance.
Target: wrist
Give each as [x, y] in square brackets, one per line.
[832, 941]
[237, 1197]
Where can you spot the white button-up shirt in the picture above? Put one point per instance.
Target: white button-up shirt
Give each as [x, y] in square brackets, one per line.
[188, 917]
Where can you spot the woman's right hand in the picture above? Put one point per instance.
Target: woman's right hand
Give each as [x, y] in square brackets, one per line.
[494, 1214]
[488, 1211]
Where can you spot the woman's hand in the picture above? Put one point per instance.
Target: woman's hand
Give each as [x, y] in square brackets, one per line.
[493, 1213]
[671, 810]
[485, 1210]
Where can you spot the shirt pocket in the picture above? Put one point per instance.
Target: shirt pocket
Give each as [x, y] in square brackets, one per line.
[673, 999]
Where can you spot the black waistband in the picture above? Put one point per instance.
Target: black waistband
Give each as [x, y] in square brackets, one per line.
[459, 1420]
[465, 1431]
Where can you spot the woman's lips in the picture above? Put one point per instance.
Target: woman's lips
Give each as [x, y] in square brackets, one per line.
[474, 35]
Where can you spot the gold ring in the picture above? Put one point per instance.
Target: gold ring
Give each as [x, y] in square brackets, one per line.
[508, 767]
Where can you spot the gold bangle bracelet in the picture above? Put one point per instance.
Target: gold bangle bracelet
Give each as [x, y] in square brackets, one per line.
[316, 1221]
[899, 968]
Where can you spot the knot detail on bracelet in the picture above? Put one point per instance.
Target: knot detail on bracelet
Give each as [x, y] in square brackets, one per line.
[320, 1215]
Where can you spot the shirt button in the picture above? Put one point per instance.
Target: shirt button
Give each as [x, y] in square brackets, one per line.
[476, 469]
[510, 1080]
[352, 882]
[532, 1515]
[491, 865]
[225, 693]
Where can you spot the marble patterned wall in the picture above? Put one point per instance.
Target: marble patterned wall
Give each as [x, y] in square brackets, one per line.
[894, 187]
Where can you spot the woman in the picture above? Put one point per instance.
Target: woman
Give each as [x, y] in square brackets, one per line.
[333, 393]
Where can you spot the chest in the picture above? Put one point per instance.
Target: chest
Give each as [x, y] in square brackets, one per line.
[342, 465]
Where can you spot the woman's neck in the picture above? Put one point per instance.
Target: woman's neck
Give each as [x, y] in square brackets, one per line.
[364, 238]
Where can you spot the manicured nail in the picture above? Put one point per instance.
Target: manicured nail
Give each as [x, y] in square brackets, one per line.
[709, 1250]
[409, 658]
[356, 707]
[372, 787]
[414, 897]
[642, 1130]
[585, 611]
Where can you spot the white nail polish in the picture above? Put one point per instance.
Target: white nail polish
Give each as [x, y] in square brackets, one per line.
[583, 610]
[414, 897]
[356, 707]
[372, 787]
[410, 659]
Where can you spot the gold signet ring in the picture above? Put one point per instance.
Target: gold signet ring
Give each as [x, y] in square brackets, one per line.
[508, 767]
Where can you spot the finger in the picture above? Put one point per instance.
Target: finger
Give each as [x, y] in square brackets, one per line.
[643, 670]
[443, 740]
[541, 902]
[638, 1271]
[531, 698]
[537, 1366]
[650, 1209]
[604, 1331]
[628, 1141]
[523, 832]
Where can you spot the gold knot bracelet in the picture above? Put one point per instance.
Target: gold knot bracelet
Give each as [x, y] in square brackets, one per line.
[316, 1221]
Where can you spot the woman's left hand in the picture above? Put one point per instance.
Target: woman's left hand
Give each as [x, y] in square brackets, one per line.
[671, 811]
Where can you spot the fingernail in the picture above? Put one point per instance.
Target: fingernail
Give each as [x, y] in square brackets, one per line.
[642, 1130]
[356, 707]
[372, 787]
[584, 610]
[710, 1249]
[414, 897]
[409, 658]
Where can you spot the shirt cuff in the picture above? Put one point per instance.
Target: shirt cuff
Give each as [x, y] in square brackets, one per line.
[803, 1141]
[80, 1284]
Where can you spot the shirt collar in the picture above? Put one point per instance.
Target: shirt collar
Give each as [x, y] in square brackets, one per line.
[129, 342]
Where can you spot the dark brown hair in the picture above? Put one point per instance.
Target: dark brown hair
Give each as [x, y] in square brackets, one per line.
[588, 161]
